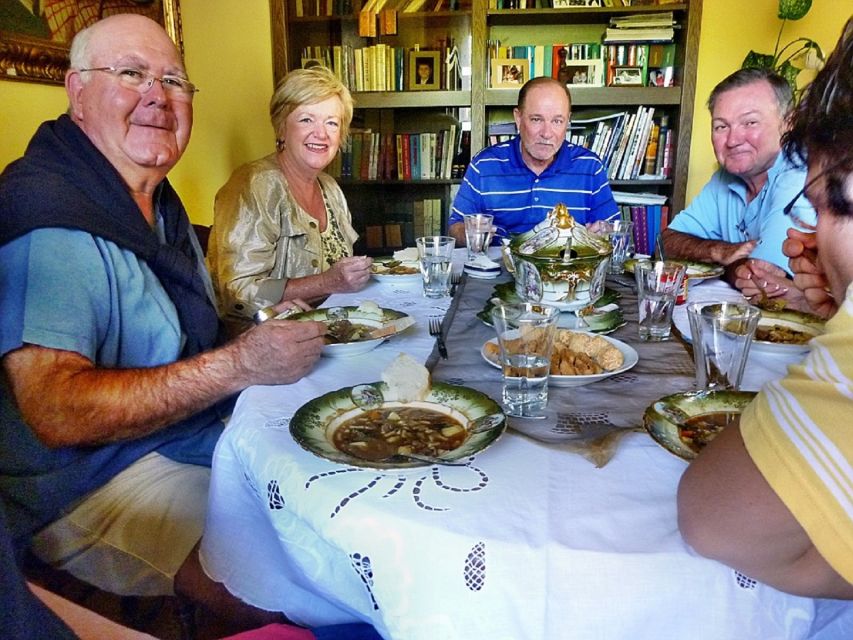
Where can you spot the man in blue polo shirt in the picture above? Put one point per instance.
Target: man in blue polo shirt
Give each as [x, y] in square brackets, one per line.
[737, 219]
[520, 181]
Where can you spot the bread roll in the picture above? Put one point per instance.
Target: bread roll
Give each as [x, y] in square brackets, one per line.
[407, 379]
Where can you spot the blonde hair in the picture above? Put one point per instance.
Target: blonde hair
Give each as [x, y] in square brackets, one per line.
[309, 86]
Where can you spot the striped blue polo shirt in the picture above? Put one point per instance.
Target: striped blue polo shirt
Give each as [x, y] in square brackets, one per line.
[498, 182]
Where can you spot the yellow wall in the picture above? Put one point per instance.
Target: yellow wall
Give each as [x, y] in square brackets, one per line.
[228, 55]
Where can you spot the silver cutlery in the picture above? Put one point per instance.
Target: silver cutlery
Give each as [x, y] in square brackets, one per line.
[435, 331]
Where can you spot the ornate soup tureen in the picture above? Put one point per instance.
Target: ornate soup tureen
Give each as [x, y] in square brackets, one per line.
[559, 262]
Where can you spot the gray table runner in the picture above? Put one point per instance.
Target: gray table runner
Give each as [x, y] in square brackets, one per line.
[573, 412]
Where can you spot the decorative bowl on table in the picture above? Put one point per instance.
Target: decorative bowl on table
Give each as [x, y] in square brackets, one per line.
[559, 262]
[318, 426]
[683, 423]
[782, 331]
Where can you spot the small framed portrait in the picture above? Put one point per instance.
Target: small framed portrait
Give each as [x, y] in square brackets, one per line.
[627, 77]
[582, 73]
[509, 73]
[424, 70]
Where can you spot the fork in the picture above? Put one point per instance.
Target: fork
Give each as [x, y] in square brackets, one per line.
[455, 279]
[435, 331]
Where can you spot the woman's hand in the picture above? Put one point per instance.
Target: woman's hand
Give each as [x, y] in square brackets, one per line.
[347, 275]
[809, 276]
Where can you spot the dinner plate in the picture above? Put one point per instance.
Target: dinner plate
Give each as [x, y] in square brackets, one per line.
[314, 423]
[796, 320]
[381, 273]
[605, 318]
[629, 355]
[347, 349]
[663, 418]
[696, 271]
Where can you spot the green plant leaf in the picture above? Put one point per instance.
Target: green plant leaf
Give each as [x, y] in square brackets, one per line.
[755, 60]
[794, 9]
[790, 73]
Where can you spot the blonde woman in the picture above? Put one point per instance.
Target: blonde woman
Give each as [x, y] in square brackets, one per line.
[282, 229]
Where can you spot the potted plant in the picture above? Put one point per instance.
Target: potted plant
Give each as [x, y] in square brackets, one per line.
[802, 50]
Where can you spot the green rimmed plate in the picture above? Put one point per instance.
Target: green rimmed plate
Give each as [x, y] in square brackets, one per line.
[314, 423]
[664, 419]
[398, 271]
[786, 319]
[356, 315]
[602, 320]
[695, 270]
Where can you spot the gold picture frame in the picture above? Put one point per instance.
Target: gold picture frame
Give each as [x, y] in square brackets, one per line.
[32, 50]
[509, 73]
[419, 63]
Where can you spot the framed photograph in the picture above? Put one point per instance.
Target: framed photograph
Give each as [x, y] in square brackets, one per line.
[35, 36]
[627, 77]
[582, 73]
[509, 73]
[424, 70]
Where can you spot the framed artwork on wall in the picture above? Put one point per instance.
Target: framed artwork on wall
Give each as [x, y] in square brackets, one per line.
[424, 70]
[35, 36]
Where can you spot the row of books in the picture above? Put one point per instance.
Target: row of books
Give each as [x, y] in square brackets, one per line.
[381, 67]
[654, 63]
[370, 155]
[649, 220]
[330, 8]
[641, 27]
[412, 220]
[570, 4]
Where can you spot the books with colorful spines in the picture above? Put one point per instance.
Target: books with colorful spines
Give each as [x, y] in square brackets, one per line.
[652, 226]
[642, 143]
[641, 231]
[374, 156]
[366, 150]
[624, 142]
[659, 160]
[415, 155]
[637, 143]
[649, 162]
[667, 154]
[401, 174]
[346, 157]
[390, 157]
[357, 138]
[425, 147]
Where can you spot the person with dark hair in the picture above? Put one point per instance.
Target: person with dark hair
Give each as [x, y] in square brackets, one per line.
[773, 497]
[737, 219]
[519, 182]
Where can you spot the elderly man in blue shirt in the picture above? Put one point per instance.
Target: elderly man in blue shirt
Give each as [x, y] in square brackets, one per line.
[520, 181]
[738, 219]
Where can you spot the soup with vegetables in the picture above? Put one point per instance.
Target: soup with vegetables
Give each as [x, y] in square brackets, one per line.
[699, 430]
[378, 434]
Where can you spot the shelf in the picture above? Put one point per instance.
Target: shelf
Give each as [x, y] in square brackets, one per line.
[390, 99]
[598, 96]
[575, 15]
[439, 182]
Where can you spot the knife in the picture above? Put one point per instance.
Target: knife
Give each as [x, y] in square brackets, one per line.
[391, 328]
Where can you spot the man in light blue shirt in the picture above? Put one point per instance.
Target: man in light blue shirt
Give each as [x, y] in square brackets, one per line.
[519, 182]
[738, 220]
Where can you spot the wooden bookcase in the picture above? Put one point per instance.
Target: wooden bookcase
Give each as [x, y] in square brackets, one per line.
[471, 26]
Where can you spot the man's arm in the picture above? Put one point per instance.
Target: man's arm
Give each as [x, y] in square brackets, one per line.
[687, 247]
[67, 400]
[457, 231]
[727, 511]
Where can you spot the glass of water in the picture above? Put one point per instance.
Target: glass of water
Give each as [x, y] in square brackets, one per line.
[478, 234]
[658, 284]
[435, 255]
[621, 236]
[525, 333]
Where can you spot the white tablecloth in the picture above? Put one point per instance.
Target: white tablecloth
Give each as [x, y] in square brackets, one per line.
[528, 541]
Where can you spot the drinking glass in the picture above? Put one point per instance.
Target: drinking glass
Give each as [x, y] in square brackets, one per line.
[722, 333]
[621, 236]
[435, 255]
[478, 234]
[658, 284]
[525, 333]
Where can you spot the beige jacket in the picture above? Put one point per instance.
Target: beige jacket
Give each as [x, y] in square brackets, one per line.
[261, 237]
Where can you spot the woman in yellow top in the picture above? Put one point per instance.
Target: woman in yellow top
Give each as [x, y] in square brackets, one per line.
[282, 229]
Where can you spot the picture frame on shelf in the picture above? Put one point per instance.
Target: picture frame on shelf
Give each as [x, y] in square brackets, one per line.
[34, 48]
[627, 77]
[509, 73]
[583, 73]
[424, 70]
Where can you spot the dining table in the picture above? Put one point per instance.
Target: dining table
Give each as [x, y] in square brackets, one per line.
[565, 527]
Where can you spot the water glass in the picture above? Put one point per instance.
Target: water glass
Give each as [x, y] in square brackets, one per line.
[621, 236]
[478, 234]
[722, 333]
[658, 284]
[435, 255]
[525, 333]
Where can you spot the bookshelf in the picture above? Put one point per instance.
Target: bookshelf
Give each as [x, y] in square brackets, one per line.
[471, 25]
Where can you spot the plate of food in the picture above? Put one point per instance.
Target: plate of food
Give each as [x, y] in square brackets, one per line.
[785, 331]
[683, 423]
[383, 424]
[395, 270]
[579, 357]
[696, 271]
[356, 330]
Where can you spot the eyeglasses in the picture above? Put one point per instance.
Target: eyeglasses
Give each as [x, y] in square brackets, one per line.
[132, 78]
[795, 218]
